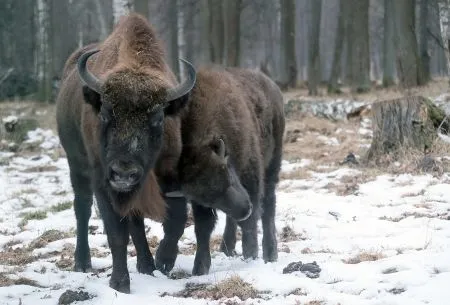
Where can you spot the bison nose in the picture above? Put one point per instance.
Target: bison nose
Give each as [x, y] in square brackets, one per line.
[124, 175]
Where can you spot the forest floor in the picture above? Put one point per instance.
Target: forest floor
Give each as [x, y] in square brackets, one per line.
[377, 235]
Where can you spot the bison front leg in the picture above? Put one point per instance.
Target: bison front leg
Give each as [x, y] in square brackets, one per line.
[116, 228]
[145, 263]
[205, 220]
[228, 243]
[83, 207]
[173, 229]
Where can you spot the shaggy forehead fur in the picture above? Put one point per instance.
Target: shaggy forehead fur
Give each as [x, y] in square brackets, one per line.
[134, 95]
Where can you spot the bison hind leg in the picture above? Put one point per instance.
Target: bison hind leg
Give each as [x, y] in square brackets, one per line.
[228, 243]
[269, 241]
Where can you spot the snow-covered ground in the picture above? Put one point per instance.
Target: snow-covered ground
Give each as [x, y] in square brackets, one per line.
[388, 242]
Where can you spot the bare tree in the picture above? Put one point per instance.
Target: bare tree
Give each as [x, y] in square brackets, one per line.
[388, 44]
[408, 61]
[232, 35]
[174, 43]
[424, 41]
[216, 31]
[142, 7]
[314, 48]
[287, 35]
[358, 44]
[338, 46]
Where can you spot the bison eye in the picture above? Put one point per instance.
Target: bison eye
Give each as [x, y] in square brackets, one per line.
[103, 118]
[157, 122]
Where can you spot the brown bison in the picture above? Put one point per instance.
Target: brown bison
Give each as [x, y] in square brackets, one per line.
[232, 151]
[113, 114]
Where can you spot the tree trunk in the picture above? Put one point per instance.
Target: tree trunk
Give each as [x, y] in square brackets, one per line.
[333, 86]
[189, 33]
[314, 48]
[174, 45]
[403, 124]
[444, 13]
[142, 7]
[388, 44]
[424, 50]
[359, 46]
[216, 33]
[408, 61]
[287, 35]
[232, 31]
[439, 62]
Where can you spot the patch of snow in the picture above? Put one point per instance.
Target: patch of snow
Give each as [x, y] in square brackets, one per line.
[10, 119]
[401, 221]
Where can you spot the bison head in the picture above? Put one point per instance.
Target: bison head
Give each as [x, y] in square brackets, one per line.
[209, 178]
[131, 104]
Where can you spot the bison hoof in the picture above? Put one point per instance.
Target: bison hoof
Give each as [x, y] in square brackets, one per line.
[83, 267]
[270, 257]
[227, 250]
[270, 253]
[200, 269]
[121, 284]
[165, 257]
[145, 267]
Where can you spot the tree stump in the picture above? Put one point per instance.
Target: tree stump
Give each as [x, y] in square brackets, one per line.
[404, 124]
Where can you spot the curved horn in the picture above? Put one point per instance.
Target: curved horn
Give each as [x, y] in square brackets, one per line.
[184, 88]
[86, 76]
[221, 148]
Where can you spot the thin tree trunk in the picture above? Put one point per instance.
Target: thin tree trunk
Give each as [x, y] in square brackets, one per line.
[333, 86]
[232, 31]
[216, 34]
[142, 7]
[407, 50]
[314, 47]
[388, 44]
[174, 45]
[288, 59]
[424, 35]
[360, 52]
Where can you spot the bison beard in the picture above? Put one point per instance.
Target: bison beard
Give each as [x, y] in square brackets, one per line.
[142, 202]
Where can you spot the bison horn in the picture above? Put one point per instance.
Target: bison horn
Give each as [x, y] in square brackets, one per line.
[221, 149]
[88, 78]
[186, 86]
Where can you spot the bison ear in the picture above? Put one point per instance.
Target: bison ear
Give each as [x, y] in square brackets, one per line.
[176, 105]
[93, 98]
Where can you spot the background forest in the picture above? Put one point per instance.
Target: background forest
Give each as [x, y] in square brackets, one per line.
[361, 44]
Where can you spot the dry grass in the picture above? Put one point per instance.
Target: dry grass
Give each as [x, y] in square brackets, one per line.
[5, 281]
[48, 237]
[364, 257]
[298, 173]
[436, 87]
[45, 114]
[234, 286]
[307, 129]
[16, 257]
[288, 234]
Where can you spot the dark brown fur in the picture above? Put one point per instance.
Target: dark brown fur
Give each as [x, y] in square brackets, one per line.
[244, 108]
[143, 74]
[121, 122]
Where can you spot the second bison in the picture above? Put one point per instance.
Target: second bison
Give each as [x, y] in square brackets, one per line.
[232, 134]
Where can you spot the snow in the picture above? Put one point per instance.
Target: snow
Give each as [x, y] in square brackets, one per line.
[403, 219]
